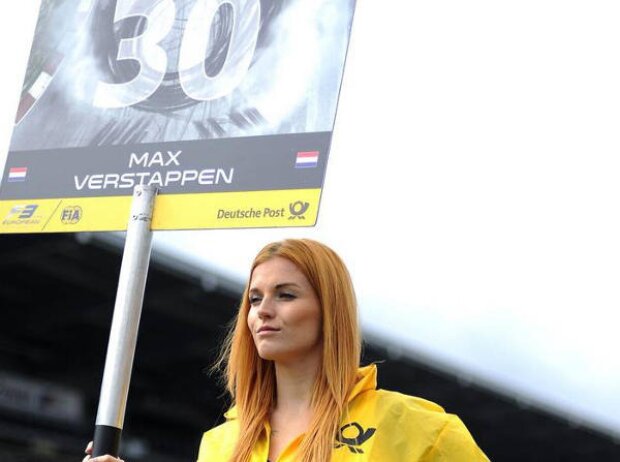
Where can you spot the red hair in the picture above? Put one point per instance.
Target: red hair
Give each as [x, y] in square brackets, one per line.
[250, 380]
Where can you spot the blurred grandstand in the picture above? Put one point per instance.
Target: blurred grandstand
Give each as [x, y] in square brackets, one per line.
[57, 296]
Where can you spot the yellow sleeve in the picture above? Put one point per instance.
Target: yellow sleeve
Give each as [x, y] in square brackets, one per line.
[205, 450]
[218, 443]
[455, 444]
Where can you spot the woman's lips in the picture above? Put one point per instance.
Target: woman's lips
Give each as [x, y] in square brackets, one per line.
[267, 330]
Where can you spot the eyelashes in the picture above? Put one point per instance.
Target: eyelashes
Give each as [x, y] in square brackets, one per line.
[287, 296]
[256, 299]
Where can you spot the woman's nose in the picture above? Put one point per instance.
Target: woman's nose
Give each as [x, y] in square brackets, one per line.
[265, 309]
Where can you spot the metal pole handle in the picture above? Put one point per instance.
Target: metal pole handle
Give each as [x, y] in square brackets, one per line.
[125, 324]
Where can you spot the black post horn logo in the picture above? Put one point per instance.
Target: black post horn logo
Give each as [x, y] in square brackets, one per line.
[354, 443]
[298, 210]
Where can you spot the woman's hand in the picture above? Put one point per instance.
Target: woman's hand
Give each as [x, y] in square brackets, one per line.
[89, 452]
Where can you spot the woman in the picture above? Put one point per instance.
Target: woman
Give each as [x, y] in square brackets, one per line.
[291, 367]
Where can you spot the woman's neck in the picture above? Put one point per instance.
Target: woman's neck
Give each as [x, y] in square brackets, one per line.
[292, 413]
[294, 385]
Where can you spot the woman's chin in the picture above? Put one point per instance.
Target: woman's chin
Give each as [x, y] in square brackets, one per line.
[269, 354]
[277, 355]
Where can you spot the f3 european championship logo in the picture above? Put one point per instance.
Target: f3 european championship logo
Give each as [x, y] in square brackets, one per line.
[22, 215]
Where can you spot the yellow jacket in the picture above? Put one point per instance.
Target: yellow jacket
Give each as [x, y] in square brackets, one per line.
[380, 426]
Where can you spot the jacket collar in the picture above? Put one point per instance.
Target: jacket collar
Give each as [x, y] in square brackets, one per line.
[366, 380]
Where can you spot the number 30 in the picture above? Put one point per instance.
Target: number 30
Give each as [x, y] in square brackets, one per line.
[153, 61]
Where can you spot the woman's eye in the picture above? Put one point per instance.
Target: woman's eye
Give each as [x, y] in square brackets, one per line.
[287, 296]
[254, 300]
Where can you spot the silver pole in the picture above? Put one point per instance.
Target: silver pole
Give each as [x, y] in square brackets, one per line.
[125, 323]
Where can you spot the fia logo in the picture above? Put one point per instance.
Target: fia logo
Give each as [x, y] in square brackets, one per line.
[298, 210]
[71, 215]
[22, 212]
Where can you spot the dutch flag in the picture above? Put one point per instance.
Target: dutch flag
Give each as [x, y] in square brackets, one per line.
[17, 174]
[307, 159]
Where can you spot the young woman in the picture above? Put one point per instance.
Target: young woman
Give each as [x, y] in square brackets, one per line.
[291, 365]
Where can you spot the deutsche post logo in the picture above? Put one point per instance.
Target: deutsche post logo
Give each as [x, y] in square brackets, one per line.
[353, 436]
[71, 215]
[298, 210]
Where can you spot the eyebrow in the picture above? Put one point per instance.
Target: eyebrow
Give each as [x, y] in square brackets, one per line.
[280, 286]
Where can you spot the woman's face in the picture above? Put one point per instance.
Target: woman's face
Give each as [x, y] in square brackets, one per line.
[285, 314]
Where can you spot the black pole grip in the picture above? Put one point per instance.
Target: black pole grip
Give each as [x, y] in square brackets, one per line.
[107, 440]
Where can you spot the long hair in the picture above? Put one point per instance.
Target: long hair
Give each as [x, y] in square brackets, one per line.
[250, 380]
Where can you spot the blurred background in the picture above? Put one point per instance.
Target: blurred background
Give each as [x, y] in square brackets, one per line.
[472, 189]
[57, 297]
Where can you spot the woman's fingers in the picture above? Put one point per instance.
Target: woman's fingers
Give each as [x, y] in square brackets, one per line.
[101, 459]
[89, 452]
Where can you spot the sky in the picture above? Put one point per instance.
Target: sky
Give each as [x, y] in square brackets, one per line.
[472, 189]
